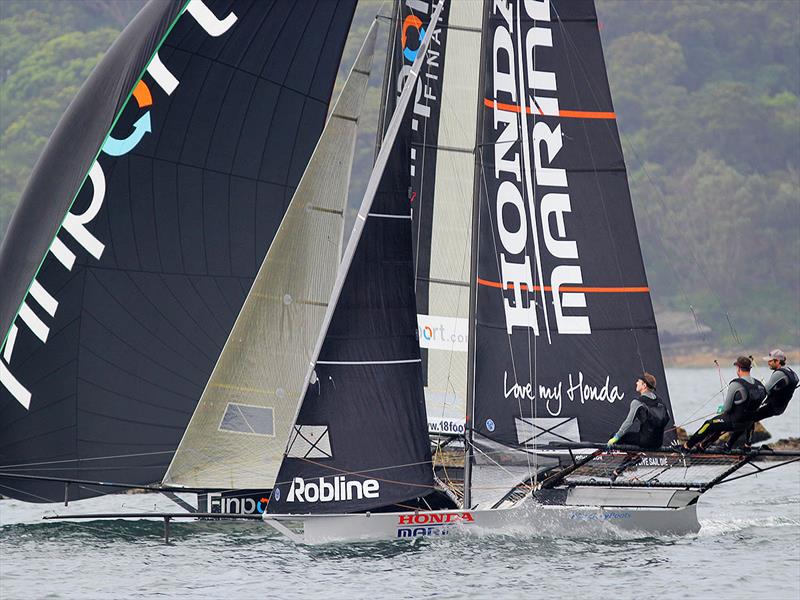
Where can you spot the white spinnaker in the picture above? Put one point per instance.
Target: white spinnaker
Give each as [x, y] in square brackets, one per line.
[451, 229]
[238, 432]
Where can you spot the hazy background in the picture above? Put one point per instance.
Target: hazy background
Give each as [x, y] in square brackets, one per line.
[706, 93]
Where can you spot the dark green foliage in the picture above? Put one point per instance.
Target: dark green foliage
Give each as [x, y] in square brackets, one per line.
[706, 94]
[707, 97]
[47, 49]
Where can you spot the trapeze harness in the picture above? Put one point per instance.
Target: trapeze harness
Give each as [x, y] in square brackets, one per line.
[778, 398]
[653, 422]
[739, 419]
[745, 411]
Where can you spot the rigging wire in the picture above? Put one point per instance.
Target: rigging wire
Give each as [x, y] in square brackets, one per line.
[72, 460]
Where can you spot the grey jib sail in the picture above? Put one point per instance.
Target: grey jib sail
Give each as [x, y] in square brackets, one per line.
[109, 344]
[564, 321]
[360, 438]
[238, 432]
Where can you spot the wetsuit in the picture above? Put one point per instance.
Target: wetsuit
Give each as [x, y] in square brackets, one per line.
[780, 389]
[744, 396]
[652, 417]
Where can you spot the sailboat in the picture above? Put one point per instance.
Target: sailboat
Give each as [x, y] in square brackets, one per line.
[493, 271]
[551, 275]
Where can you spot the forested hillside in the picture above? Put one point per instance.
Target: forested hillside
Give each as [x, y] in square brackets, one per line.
[707, 98]
[706, 92]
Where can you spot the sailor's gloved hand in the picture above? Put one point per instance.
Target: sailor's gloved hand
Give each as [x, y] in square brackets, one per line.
[612, 441]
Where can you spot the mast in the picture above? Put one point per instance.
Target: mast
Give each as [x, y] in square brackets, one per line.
[473, 273]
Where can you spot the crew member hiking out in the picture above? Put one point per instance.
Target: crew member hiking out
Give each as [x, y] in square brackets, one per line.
[651, 414]
[745, 394]
[780, 389]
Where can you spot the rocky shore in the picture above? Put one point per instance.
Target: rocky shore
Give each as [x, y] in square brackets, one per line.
[696, 356]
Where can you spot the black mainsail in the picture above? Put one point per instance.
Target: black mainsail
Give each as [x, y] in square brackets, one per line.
[563, 317]
[143, 226]
[360, 439]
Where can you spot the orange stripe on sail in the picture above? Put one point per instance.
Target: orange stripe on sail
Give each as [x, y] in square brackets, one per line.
[585, 114]
[605, 290]
[570, 288]
[142, 94]
[567, 114]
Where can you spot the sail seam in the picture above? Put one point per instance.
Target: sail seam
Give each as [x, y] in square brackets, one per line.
[345, 118]
[626, 328]
[443, 281]
[323, 209]
[562, 113]
[477, 30]
[445, 148]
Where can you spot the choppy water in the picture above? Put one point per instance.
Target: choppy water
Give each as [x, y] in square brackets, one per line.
[749, 547]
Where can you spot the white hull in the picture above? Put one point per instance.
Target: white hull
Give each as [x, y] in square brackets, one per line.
[526, 518]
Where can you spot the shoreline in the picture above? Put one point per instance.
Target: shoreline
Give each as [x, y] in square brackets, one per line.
[705, 357]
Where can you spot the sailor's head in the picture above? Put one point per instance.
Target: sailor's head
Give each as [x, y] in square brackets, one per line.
[776, 359]
[645, 383]
[743, 364]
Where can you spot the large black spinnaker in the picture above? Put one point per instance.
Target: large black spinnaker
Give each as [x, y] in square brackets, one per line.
[192, 135]
[360, 439]
[564, 318]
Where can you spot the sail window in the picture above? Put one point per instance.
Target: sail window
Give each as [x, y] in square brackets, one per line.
[310, 441]
[242, 418]
[546, 430]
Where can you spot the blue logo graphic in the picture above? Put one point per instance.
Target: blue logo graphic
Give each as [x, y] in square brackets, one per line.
[115, 147]
[277, 493]
[489, 424]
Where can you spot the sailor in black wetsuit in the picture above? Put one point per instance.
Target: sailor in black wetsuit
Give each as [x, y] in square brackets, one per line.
[745, 394]
[780, 389]
[650, 413]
